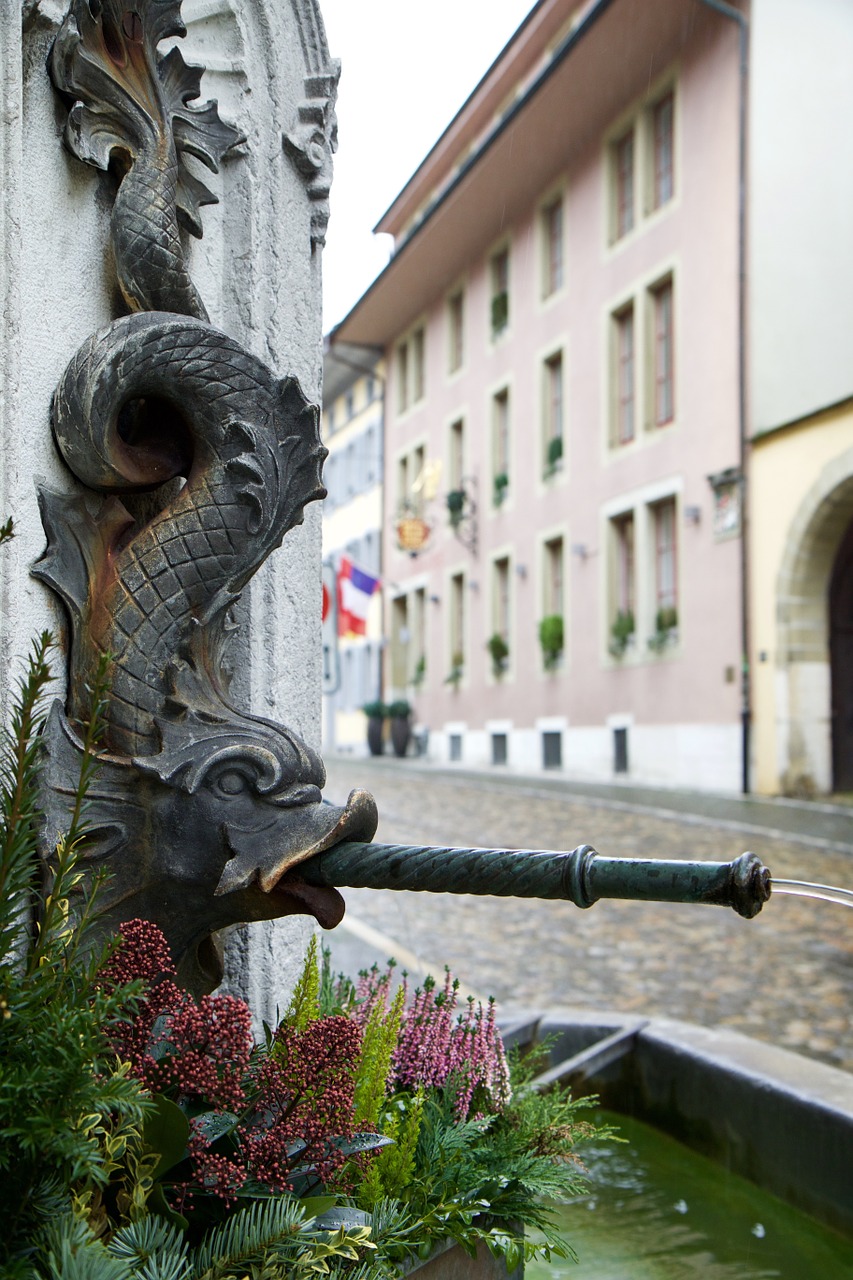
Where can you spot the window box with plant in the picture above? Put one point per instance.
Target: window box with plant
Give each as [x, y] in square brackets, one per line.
[551, 640]
[553, 456]
[376, 713]
[666, 629]
[499, 654]
[457, 669]
[456, 500]
[400, 714]
[500, 488]
[622, 633]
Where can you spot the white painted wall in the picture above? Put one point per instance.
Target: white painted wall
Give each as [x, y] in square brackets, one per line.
[800, 197]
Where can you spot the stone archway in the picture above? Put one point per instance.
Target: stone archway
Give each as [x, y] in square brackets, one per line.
[803, 663]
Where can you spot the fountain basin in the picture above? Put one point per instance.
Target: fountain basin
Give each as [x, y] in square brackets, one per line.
[781, 1120]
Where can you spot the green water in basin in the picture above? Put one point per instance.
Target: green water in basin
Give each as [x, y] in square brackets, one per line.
[658, 1211]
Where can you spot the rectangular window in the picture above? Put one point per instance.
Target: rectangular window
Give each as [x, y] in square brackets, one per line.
[456, 467]
[499, 748]
[666, 589]
[553, 413]
[402, 377]
[663, 355]
[500, 598]
[418, 646]
[418, 365]
[625, 428]
[552, 749]
[623, 528]
[623, 185]
[456, 332]
[403, 484]
[662, 135]
[454, 746]
[400, 642]
[417, 471]
[552, 237]
[553, 577]
[457, 620]
[500, 292]
[620, 750]
[500, 446]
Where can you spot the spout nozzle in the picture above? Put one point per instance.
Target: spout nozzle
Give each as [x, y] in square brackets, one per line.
[751, 886]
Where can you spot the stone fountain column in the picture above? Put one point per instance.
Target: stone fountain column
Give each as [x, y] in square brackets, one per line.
[257, 270]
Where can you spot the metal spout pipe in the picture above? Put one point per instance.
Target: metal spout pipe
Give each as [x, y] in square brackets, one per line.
[581, 875]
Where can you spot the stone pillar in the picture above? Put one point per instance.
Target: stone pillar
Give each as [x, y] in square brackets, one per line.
[257, 270]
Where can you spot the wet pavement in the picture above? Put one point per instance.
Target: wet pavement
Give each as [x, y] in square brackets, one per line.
[785, 977]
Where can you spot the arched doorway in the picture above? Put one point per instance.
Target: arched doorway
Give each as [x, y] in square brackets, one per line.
[815, 586]
[841, 663]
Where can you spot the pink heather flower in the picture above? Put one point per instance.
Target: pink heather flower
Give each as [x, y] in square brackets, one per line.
[373, 988]
[437, 1046]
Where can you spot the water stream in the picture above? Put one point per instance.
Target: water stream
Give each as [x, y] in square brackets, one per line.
[803, 889]
[658, 1211]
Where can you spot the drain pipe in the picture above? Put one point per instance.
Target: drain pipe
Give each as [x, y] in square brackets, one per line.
[728, 11]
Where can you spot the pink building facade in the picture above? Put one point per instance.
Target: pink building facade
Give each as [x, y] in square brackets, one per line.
[561, 330]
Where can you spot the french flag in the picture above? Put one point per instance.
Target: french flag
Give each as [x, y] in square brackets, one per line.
[355, 587]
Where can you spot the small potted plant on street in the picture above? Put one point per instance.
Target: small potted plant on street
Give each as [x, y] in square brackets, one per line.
[376, 713]
[499, 653]
[621, 632]
[400, 713]
[551, 640]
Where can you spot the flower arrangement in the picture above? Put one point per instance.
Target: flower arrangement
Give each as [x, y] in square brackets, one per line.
[144, 1134]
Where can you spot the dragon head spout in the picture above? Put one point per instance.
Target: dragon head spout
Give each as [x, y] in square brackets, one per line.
[202, 839]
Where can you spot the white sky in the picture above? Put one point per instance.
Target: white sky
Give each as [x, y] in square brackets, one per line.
[407, 68]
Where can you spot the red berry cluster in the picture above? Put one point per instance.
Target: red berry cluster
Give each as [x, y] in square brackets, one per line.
[303, 1104]
[174, 1045]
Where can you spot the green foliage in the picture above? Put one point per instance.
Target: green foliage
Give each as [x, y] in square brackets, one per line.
[551, 639]
[498, 652]
[68, 1112]
[666, 626]
[389, 1175]
[621, 631]
[457, 669]
[400, 710]
[305, 1004]
[419, 673]
[374, 1066]
[500, 487]
[375, 710]
[554, 455]
[456, 500]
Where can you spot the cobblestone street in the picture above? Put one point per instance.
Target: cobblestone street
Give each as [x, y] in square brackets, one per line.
[785, 977]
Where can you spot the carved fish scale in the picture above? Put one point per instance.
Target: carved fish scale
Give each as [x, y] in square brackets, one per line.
[250, 448]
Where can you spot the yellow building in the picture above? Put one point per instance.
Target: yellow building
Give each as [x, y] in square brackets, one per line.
[353, 399]
[801, 549]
